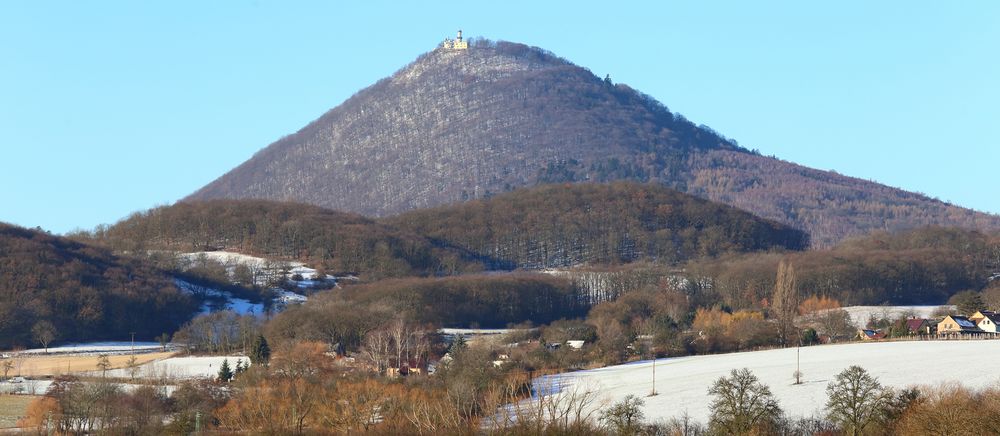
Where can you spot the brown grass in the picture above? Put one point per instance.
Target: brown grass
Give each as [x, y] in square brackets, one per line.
[13, 407]
[36, 366]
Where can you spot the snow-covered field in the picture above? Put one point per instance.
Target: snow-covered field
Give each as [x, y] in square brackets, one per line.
[98, 348]
[473, 332]
[683, 382]
[861, 314]
[181, 367]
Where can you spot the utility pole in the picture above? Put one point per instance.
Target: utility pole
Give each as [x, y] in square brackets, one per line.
[653, 393]
[133, 342]
[798, 368]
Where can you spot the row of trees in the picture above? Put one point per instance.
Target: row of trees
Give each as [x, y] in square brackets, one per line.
[922, 266]
[220, 332]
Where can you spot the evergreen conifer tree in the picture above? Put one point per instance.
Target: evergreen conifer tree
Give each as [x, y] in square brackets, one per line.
[260, 352]
[225, 373]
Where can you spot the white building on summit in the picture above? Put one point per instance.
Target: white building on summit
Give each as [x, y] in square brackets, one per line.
[455, 44]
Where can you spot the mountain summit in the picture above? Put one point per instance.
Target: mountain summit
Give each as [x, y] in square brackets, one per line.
[474, 118]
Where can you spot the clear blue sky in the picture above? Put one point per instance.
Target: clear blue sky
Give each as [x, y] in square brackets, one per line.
[107, 108]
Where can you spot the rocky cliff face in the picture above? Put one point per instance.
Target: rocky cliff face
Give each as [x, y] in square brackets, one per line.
[455, 125]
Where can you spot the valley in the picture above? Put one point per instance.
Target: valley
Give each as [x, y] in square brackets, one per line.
[493, 239]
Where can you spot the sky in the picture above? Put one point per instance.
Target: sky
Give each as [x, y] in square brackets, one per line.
[108, 108]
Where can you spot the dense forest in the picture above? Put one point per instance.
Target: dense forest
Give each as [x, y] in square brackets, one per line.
[922, 266]
[487, 301]
[570, 224]
[53, 289]
[333, 241]
[453, 126]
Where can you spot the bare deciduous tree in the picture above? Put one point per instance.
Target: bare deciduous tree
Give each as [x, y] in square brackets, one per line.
[856, 400]
[377, 347]
[741, 403]
[44, 332]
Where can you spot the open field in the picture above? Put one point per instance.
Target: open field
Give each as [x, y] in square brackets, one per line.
[182, 367]
[683, 382]
[13, 407]
[44, 365]
[95, 348]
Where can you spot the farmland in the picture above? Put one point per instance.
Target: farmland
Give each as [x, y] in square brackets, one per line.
[51, 365]
[12, 407]
[683, 382]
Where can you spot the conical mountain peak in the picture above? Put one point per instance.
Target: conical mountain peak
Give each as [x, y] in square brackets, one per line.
[488, 117]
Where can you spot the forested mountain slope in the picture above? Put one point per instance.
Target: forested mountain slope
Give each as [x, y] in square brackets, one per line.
[569, 224]
[458, 125]
[80, 292]
[335, 241]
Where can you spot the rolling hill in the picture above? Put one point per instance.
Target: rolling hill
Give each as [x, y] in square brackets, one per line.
[83, 292]
[560, 225]
[465, 124]
[335, 241]
[554, 225]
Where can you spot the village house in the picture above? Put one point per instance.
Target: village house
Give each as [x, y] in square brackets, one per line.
[980, 315]
[957, 324]
[871, 335]
[989, 322]
[921, 326]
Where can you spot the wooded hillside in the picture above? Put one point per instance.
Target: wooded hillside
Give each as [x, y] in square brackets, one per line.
[334, 241]
[486, 301]
[923, 266]
[569, 224]
[80, 292]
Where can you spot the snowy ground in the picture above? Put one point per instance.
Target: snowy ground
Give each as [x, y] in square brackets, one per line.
[264, 270]
[238, 305]
[861, 314]
[98, 348]
[473, 332]
[683, 382]
[180, 367]
[268, 266]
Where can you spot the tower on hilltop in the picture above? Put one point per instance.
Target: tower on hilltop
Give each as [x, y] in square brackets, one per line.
[456, 44]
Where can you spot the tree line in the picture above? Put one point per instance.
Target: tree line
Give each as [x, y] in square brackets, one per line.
[920, 266]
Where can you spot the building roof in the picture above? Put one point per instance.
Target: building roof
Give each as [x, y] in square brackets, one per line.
[873, 334]
[992, 316]
[962, 322]
[914, 324]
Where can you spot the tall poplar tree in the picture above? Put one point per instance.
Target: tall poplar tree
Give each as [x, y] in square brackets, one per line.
[785, 303]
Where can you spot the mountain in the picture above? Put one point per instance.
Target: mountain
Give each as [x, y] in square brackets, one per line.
[82, 292]
[335, 241]
[560, 225]
[463, 124]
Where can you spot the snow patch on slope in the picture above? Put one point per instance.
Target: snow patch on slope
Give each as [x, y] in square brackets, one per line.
[218, 300]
